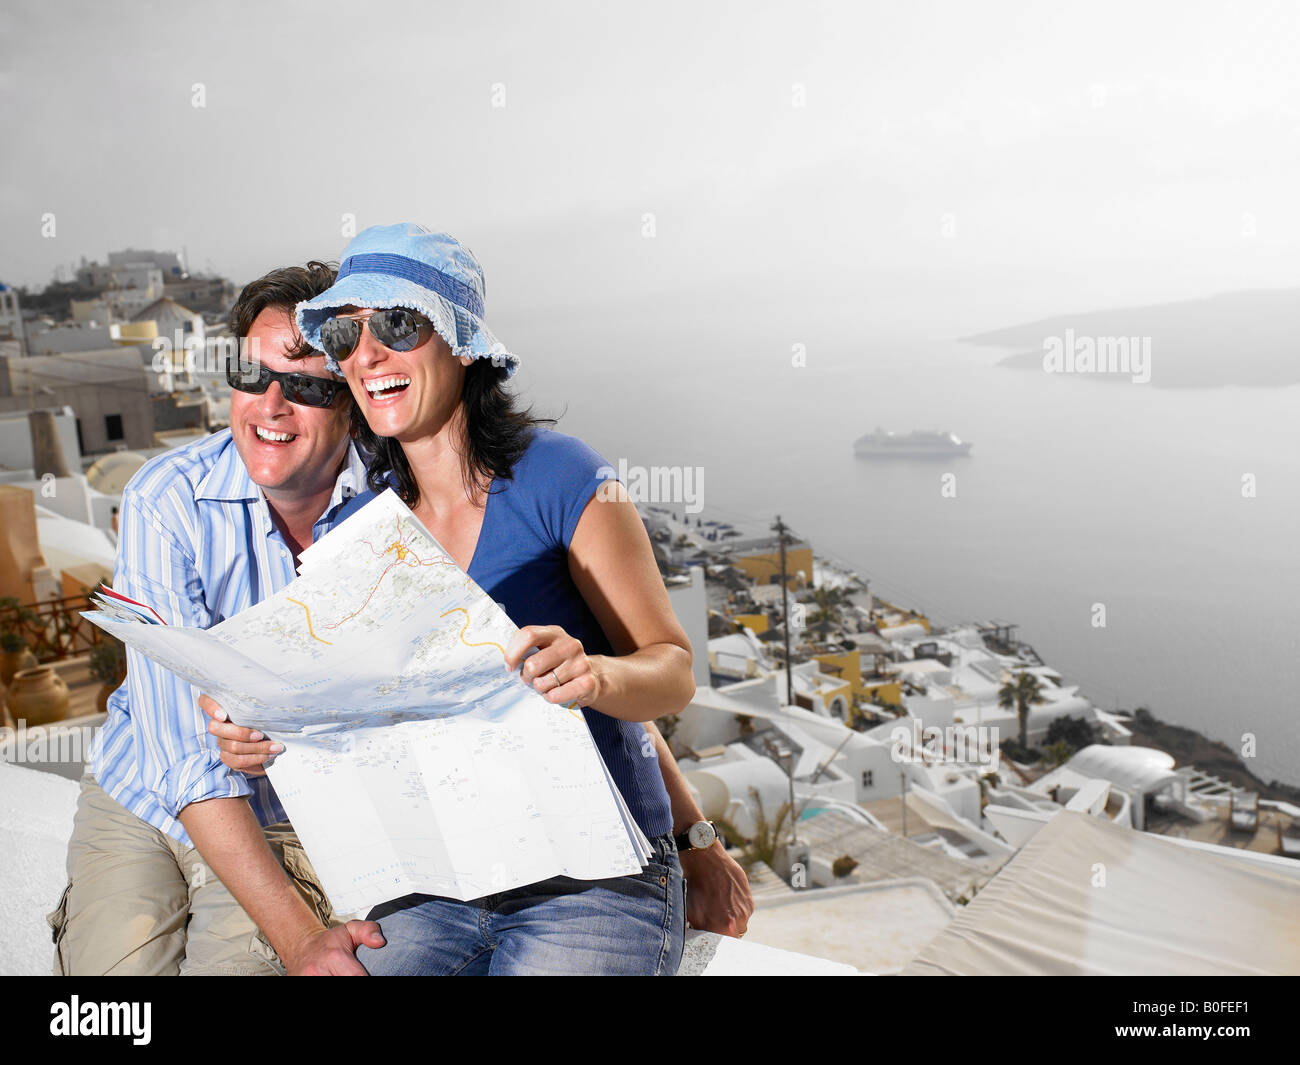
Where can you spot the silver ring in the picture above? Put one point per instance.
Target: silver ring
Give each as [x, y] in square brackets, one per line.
[558, 682]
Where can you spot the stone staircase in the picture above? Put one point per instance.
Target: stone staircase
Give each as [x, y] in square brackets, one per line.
[889, 856]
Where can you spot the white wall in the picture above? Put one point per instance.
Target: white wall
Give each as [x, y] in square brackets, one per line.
[16, 440]
[690, 604]
[70, 338]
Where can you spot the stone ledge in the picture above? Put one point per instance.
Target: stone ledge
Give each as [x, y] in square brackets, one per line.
[36, 811]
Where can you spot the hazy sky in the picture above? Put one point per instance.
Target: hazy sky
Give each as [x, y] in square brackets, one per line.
[959, 165]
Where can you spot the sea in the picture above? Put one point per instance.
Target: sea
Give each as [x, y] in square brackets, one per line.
[1144, 539]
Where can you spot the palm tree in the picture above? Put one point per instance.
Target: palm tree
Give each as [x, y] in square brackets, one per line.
[829, 600]
[1021, 692]
[820, 623]
[766, 841]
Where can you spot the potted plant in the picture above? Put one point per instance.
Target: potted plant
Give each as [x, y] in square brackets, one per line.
[108, 666]
[14, 653]
[843, 866]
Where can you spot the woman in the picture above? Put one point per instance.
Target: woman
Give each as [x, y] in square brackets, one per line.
[532, 516]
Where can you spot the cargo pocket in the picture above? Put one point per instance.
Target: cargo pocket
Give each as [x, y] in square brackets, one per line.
[58, 922]
[299, 868]
[260, 947]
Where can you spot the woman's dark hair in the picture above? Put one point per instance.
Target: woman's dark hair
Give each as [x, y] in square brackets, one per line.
[497, 434]
[283, 289]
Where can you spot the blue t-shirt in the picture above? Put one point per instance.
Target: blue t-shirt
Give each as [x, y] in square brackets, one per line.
[521, 561]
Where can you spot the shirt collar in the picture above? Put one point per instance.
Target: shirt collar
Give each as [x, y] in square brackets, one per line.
[228, 478]
[351, 481]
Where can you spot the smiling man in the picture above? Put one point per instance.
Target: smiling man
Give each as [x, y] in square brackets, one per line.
[206, 530]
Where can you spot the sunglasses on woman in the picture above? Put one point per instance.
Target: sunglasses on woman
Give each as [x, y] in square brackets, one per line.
[298, 388]
[395, 327]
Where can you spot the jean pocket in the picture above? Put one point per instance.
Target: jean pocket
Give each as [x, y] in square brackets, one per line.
[655, 872]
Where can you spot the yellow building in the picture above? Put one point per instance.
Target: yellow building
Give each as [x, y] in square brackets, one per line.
[884, 689]
[848, 666]
[764, 567]
[756, 622]
[128, 333]
[888, 617]
[835, 689]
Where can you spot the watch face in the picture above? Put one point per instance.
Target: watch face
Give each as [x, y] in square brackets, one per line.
[702, 835]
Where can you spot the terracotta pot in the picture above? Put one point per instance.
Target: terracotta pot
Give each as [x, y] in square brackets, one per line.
[13, 661]
[38, 696]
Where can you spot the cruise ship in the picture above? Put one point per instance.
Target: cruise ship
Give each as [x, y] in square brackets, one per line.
[917, 444]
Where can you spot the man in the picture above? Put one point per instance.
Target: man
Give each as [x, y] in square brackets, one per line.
[206, 531]
[166, 836]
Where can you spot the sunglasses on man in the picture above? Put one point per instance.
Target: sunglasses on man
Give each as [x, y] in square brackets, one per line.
[298, 388]
[396, 328]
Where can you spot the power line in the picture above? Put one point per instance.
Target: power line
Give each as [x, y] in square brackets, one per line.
[890, 588]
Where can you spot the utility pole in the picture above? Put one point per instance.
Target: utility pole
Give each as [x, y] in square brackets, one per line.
[781, 752]
[779, 527]
[902, 776]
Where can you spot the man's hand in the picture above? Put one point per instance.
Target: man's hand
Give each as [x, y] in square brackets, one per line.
[241, 748]
[333, 951]
[717, 893]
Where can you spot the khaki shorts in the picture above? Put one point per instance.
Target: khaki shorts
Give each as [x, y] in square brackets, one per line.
[139, 903]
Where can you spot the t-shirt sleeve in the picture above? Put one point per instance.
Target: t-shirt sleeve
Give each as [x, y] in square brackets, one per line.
[568, 472]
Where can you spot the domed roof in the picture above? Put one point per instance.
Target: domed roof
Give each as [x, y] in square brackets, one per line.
[110, 473]
[1141, 769]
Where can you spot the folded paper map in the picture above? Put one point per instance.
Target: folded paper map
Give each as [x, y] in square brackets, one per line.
[413, 762]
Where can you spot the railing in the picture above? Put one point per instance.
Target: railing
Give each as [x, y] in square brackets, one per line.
[54, 629]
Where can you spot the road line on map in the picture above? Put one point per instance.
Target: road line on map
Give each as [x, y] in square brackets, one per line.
[309, 628]
[490, 643]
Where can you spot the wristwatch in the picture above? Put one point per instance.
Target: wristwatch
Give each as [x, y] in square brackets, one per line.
[700, 836]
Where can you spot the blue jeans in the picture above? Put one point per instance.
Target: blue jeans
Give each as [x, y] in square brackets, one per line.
[628, 925]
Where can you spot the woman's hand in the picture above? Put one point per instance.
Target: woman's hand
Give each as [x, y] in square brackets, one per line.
[241, 748]
[559, 669]
[718, 898]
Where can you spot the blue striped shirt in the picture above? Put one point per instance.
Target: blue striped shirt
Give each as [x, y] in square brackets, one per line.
[197, 543]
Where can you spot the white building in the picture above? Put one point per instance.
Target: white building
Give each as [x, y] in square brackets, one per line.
[961, 686]
[11, 317]
[688, 598]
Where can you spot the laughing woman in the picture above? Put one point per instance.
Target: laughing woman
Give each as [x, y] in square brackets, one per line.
[517, 506]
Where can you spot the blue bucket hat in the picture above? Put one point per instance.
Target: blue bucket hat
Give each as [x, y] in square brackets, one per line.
[407, 265]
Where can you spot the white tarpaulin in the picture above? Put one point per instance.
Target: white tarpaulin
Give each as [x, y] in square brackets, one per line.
[1086, 897]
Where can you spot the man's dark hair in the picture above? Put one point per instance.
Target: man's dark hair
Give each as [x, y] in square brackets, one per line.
[283, 289]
